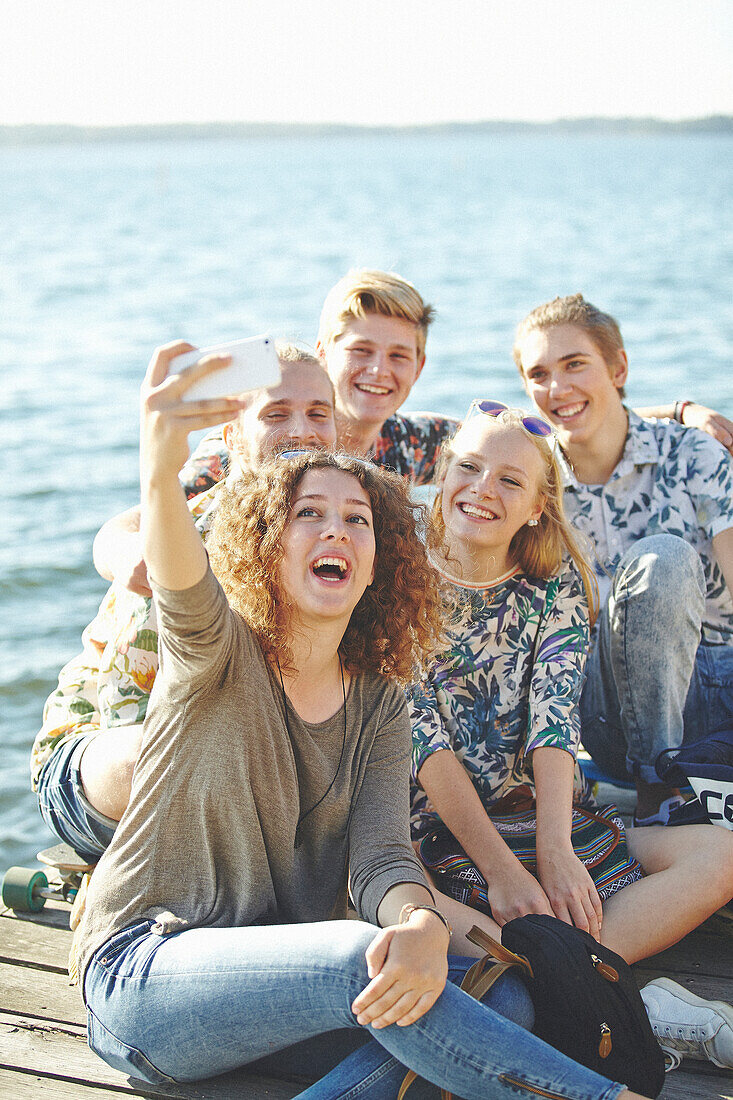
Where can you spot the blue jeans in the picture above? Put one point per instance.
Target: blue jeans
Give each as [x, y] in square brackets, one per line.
[207, 1000]
[64, 806]
[650, 684]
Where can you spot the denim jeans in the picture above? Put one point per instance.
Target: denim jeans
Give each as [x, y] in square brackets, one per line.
[207, 1000]
[650, 684]
[64, 806]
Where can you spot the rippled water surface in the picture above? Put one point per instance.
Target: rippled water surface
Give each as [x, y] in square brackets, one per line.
[108, 250]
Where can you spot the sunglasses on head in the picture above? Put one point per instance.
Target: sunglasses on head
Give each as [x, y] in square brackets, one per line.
[535, 425]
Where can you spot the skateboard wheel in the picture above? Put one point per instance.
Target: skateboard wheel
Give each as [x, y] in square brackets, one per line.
[19, 885]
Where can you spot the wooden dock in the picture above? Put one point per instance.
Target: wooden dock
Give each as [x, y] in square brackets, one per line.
[43, 1050]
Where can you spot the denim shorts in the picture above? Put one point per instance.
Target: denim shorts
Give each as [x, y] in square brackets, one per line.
[64, 806]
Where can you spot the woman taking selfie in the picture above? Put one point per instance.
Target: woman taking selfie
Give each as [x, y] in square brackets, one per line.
[272, 775]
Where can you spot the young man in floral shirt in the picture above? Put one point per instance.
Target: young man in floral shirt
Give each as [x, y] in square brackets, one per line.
[657, 502]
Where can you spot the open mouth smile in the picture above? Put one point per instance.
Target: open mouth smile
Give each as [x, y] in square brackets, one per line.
[567, 412]
[330, 569]
[475, 511]
[369, 387]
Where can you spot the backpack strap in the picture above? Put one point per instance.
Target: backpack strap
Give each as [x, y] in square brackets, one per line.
[498, 951]
[411, 1076]
[478, 981]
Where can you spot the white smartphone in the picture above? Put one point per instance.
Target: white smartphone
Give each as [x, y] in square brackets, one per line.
[254, 364]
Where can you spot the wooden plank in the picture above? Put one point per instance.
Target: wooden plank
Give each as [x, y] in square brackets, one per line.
[33, 983]
[44, 994]
[694, 1084]
[54, 913]
[61, 1053]
[712, 987]
[38, 945]
[704, 952]
[27, 1086]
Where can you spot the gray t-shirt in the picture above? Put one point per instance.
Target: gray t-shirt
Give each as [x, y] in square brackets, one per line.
[208, 839]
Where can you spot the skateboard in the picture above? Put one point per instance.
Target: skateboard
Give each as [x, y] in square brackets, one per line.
[27, 891]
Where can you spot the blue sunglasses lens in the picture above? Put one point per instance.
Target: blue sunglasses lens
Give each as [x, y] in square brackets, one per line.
[536, 426]
[533, 424]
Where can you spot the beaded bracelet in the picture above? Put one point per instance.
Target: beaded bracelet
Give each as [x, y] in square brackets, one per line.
[679, 410]
[407, 910]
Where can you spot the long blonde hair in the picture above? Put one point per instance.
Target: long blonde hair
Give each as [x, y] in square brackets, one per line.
[538, 550]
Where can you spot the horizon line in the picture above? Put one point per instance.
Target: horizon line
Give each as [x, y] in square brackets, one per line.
[44, 131]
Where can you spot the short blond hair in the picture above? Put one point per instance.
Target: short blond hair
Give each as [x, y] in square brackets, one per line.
[288, 352]
[362, 292]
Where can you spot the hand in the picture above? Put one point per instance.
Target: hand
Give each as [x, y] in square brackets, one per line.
[571, 890]
[166, 419]
[710, 421]
[408, 967]
[516, 893]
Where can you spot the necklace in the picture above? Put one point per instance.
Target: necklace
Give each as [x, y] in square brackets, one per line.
[476, 586]
[301, 819]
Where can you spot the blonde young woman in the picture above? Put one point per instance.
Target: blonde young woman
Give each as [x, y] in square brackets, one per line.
[272, 774]
[500, 708]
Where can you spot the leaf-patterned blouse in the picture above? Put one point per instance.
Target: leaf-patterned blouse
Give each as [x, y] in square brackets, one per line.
[669, 480]
[509, 684]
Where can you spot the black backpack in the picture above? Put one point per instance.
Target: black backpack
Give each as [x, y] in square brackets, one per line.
[586, 1001]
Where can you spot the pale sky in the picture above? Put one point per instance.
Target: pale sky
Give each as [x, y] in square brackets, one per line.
[101, 62]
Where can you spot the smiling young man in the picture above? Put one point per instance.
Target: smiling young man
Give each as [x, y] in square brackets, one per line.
[371, 342]
[656, 499]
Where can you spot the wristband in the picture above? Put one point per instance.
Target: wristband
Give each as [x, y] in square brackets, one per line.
[407, 910]
[679, 410]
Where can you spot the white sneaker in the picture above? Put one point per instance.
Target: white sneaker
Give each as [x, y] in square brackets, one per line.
[687, 1026]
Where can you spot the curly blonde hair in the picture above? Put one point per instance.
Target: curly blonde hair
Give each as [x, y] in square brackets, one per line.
[397, 626]
[537, 550]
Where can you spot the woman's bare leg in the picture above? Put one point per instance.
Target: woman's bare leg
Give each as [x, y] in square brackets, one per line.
[462, 919]
[689, 874]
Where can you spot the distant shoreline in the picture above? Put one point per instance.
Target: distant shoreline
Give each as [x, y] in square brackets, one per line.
[32, 134]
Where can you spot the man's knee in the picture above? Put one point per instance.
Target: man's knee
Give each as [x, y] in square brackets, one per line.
[664, 568]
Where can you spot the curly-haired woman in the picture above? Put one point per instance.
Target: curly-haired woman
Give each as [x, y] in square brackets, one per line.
[273, 773]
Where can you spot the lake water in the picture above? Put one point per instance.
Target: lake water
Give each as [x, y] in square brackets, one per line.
[110, 249]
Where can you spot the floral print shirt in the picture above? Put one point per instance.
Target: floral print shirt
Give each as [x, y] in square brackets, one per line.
[509, 683]
[110, 681]
[409, 445]
[672, 480]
